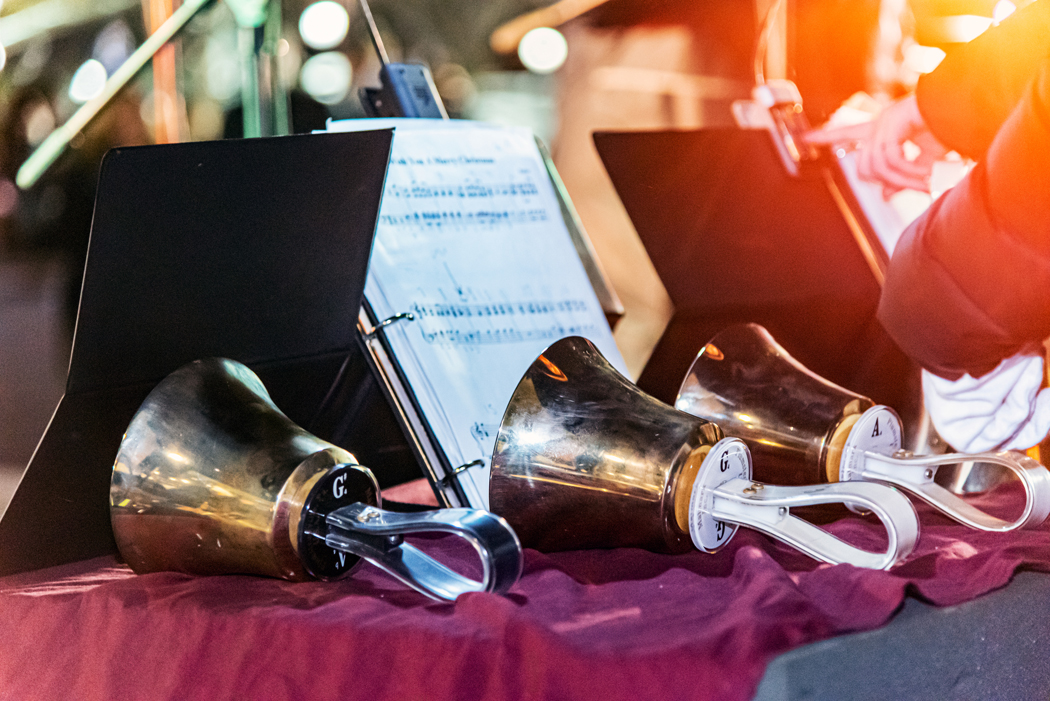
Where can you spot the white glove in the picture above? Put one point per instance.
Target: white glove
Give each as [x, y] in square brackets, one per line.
[1002, 410]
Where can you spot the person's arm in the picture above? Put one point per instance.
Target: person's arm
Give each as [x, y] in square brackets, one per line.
[969, 96]
[959, 106]
[969, 281]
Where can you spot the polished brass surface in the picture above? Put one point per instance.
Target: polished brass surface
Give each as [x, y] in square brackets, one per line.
[744, 381]
[212, 478]
[585, 459]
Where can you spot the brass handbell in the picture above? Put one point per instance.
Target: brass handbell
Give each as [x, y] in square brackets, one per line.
[585, 459]
[212, 478]
[803, 429]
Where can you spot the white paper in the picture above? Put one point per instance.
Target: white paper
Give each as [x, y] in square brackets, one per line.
[472, 242]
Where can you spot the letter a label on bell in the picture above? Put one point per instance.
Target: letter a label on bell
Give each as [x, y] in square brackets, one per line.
[585, 459]
[803, 429]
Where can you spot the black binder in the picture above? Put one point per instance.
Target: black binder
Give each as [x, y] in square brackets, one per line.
[255, 250]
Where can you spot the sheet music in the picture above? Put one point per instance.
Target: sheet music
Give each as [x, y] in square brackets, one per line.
[471, 241]
[890, 218]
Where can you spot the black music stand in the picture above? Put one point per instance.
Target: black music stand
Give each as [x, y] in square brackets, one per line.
[254, 250]
[734, 239]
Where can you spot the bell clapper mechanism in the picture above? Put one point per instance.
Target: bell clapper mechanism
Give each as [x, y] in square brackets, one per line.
[211, 478]
[584, 458]
[406, 89]
[804, 428]
[263, 99]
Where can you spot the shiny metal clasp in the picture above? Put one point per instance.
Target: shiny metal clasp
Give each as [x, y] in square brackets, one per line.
[378, 536]
[915, 475]
[725, 494]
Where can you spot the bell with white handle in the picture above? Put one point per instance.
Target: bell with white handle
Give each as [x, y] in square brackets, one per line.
[802, 429]
[585, 459]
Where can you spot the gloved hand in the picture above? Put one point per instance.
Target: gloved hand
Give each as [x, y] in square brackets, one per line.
[1002, 410]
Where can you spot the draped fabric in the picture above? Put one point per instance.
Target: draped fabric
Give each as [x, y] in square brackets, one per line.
[599, 624]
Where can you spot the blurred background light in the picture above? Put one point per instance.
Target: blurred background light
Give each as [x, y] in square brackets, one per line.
[326, 77]
[543, 50]
[957, 29]
[88, 81]
[1002, 10]
[113, 45]
[8, 197]
[39, 121]
[222, 68]
[323, 25]
[922, 59]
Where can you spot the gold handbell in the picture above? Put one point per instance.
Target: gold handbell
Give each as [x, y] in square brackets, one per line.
[802, 429]
[211, 478]
[585, 459]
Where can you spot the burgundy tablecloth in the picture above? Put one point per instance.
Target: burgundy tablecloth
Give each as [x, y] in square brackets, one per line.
[617, 624]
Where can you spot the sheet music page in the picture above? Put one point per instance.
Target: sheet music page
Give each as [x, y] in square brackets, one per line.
[471, 241]
[888, 218]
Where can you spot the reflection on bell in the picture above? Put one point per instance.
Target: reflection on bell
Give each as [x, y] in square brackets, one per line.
[794, 421]
[803, 429]
[212, 478]
[585, 459]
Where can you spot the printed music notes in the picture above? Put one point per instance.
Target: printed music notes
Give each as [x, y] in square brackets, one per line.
[471, 241]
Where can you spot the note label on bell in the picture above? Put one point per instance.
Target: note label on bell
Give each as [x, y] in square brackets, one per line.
[733, 462]
[878, 430]
[341, 486]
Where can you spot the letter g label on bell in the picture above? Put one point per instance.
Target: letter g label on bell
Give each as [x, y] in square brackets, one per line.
[724, 499]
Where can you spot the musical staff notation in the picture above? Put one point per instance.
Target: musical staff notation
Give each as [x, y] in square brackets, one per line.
[471, 241]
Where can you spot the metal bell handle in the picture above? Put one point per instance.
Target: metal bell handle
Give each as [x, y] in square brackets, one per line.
[723, 493]
[914, 474]
[767, 508]
[378, 536]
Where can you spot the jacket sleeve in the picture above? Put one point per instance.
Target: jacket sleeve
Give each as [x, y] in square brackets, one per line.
[969, 96]
[969, 282]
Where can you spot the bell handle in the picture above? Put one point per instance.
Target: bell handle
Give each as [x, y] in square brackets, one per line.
[767, 508]
[914, 474]
[377, 535]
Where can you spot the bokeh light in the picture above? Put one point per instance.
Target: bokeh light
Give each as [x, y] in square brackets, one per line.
[323, 25]
[1002, 10]
[543, 50]
[326, 77]
[922, 59]
[88, 81]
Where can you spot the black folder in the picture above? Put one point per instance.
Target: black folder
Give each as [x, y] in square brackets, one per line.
[735, 238]
[254, 250]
